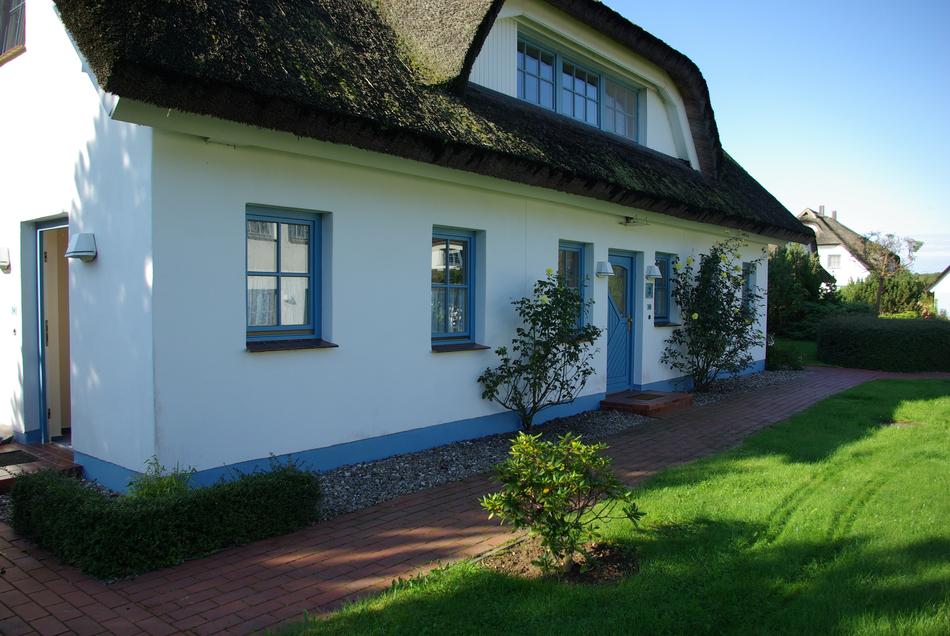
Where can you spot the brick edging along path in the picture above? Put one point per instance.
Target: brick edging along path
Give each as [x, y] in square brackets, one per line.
[252, 587]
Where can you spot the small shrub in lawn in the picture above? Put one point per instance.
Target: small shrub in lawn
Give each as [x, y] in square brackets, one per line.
[159, 524]
[561, 491]
[888, 345]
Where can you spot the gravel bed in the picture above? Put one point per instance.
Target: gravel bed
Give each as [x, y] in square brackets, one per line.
[359, 486]
[724, 388]
[6, 508]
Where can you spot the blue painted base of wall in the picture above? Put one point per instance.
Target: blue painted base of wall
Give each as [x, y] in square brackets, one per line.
[118, 477]
[28, 437]
[685, 383]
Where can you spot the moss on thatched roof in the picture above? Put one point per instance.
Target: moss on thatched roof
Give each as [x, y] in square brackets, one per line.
[361, 72]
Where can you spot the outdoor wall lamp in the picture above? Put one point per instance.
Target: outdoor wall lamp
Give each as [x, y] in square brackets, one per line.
[653, 272]
[82, 246]
[604, 269]
[5, 260]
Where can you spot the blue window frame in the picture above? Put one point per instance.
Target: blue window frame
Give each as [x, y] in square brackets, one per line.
[570, 269]
[620, 109]
[547, 79]
[748, 282]
[12, 26]
[536, 74]
[453, 280]
[580, 93]
[283, 274]
[662, 287]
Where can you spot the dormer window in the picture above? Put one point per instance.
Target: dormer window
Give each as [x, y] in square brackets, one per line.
[577, 90]
[12, 17]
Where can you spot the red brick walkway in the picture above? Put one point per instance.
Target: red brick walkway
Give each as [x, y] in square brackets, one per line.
[252, 587]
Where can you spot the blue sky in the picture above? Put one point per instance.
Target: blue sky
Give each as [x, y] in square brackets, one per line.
[838, 102]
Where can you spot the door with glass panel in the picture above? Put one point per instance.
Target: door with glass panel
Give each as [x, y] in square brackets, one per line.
[620, 321]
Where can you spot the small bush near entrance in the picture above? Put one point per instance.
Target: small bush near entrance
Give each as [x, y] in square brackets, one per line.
[112, 536]
[888, 345]
[561, 491]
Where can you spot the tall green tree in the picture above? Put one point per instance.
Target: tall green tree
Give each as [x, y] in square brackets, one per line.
[796, 277]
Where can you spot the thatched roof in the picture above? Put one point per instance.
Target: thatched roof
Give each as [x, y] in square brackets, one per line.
[832, 232]
[391, 76]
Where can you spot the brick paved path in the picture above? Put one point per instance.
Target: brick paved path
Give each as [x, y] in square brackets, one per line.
[252, 587]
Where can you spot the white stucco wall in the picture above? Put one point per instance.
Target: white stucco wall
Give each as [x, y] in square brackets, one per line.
[62, 157]
[666, 127]
[850, 268]
[941, 293]
[218, 404]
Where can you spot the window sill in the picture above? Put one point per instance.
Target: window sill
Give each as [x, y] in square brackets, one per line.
[461, 346]
[12, 53]
[667, 323]
[256, 346]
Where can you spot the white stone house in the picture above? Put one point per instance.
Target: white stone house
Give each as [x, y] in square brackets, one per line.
[941, 291]
[310, 220]
[841, 250]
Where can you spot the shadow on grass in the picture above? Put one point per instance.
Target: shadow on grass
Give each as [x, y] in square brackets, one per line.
[830, 540]
[704, 577]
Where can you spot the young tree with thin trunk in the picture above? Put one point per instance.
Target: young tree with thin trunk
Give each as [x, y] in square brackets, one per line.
[886, 255]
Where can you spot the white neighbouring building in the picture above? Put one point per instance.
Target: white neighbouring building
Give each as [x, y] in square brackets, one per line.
[310, 221]
[941, 291]
[841, 250]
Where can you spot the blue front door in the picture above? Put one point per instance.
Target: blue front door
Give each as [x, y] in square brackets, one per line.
[620, 324]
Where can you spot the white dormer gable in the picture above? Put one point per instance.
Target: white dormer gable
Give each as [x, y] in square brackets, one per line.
[613, 88]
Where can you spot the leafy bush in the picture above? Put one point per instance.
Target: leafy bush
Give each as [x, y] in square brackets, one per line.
[549, 360]
[112, 536]
[779, 357]
[560, 491]
[796, 280]
[719, 316]
[889, 345]
[814, 314]
[158, 482]
[903, 291]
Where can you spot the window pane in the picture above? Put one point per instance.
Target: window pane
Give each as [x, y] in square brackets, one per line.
[457, 262]
[438, 309]
[547, 66]
[531, 89]
[438, 260]
[579, 107]
[617, 286]
[294, 248]
[591, 112]
[457, 310]
[569, 267]
[294, 300]
[567, 101]
[531, 62]
[261, 301]
[261, 246]
[521, 54]
[547, 94]
[579, 84]
[520, 84]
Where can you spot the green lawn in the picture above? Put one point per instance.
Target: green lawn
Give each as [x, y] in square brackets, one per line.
[832, 521]
[807, 348]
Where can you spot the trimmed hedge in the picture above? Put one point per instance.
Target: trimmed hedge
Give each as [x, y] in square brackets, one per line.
[113, 536]
[887, 345]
